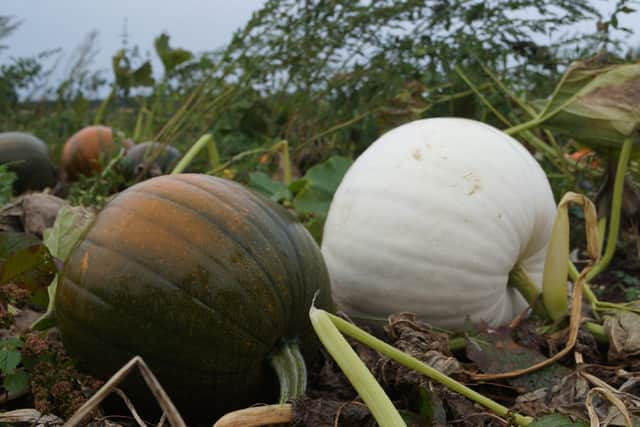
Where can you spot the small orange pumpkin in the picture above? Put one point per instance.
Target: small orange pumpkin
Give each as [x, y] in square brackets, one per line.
[81, 152]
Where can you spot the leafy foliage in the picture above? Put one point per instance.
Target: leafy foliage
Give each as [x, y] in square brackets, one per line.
[25, 261]
[128, 76]
[310, 195]
[346, 71]
[7, 178]
[70, 225]
[14, 380]
[95, 190]
[306, 45]
[170, 57]
[319, 184]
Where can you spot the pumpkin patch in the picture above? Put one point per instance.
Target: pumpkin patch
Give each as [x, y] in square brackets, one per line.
[345, 214]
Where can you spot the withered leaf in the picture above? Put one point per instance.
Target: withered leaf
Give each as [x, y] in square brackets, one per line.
[598, 105]
[623, 330]
[495, 351]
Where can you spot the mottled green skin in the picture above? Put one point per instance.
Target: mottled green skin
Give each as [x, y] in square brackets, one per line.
[146, 151]
[202, 278]
[29, 158]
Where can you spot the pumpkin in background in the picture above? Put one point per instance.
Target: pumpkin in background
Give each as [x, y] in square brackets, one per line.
[154, 157]
[201, 277]
[28, 157]
[81, 153]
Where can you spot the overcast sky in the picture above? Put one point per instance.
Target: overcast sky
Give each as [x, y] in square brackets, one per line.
[197, 25]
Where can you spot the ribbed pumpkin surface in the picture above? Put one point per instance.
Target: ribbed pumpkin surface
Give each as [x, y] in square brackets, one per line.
[199, 276]
[156, 157]
[81, 152]
[29, 159]
[432, 218]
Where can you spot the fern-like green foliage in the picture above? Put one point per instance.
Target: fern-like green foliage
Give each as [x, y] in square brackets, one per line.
[7, 178]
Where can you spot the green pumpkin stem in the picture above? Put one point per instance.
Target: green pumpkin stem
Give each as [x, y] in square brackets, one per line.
[520, 280]
[616, 207]
[363, 381]
[198, 146]
[291, 370]
[412, 363]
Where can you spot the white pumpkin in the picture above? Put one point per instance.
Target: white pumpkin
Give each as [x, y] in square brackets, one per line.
[431, 219]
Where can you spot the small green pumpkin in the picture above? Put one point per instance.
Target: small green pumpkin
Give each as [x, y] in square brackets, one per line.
[201, 277]
[28, 158]
[153, 157]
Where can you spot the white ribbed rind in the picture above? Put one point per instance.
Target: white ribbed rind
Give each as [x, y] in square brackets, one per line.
[431, 219]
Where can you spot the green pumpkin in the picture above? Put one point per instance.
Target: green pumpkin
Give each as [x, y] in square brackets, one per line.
[28, 157]
[157, 158]
[201, 277]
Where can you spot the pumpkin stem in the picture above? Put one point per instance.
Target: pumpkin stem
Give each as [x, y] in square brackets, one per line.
[200, 144]
[519, 279]
[103, 106]
[616, 207]
[290, 368]
[361, 378]
[399, 356]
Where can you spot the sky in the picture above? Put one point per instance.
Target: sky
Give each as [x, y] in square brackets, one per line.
[196, 25]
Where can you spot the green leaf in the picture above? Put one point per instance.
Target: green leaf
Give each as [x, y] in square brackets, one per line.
[71, 224]
[39, 298]
[7, 178]
[311, 200]
[297, 185]
[10, 344]
[431, 407]
[126, 76]
[25, 261]
[170, 57]
[327, 176]
[315, 227]
[557, 420]
[274, 190]
[9, 361]
[10, 355]
[322, 180]
[16, 383]
[143, 75]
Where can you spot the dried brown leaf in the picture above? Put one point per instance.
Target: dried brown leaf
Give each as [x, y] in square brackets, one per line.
[31, 213]
[623, 330]
[419, 340]
[599, 105]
